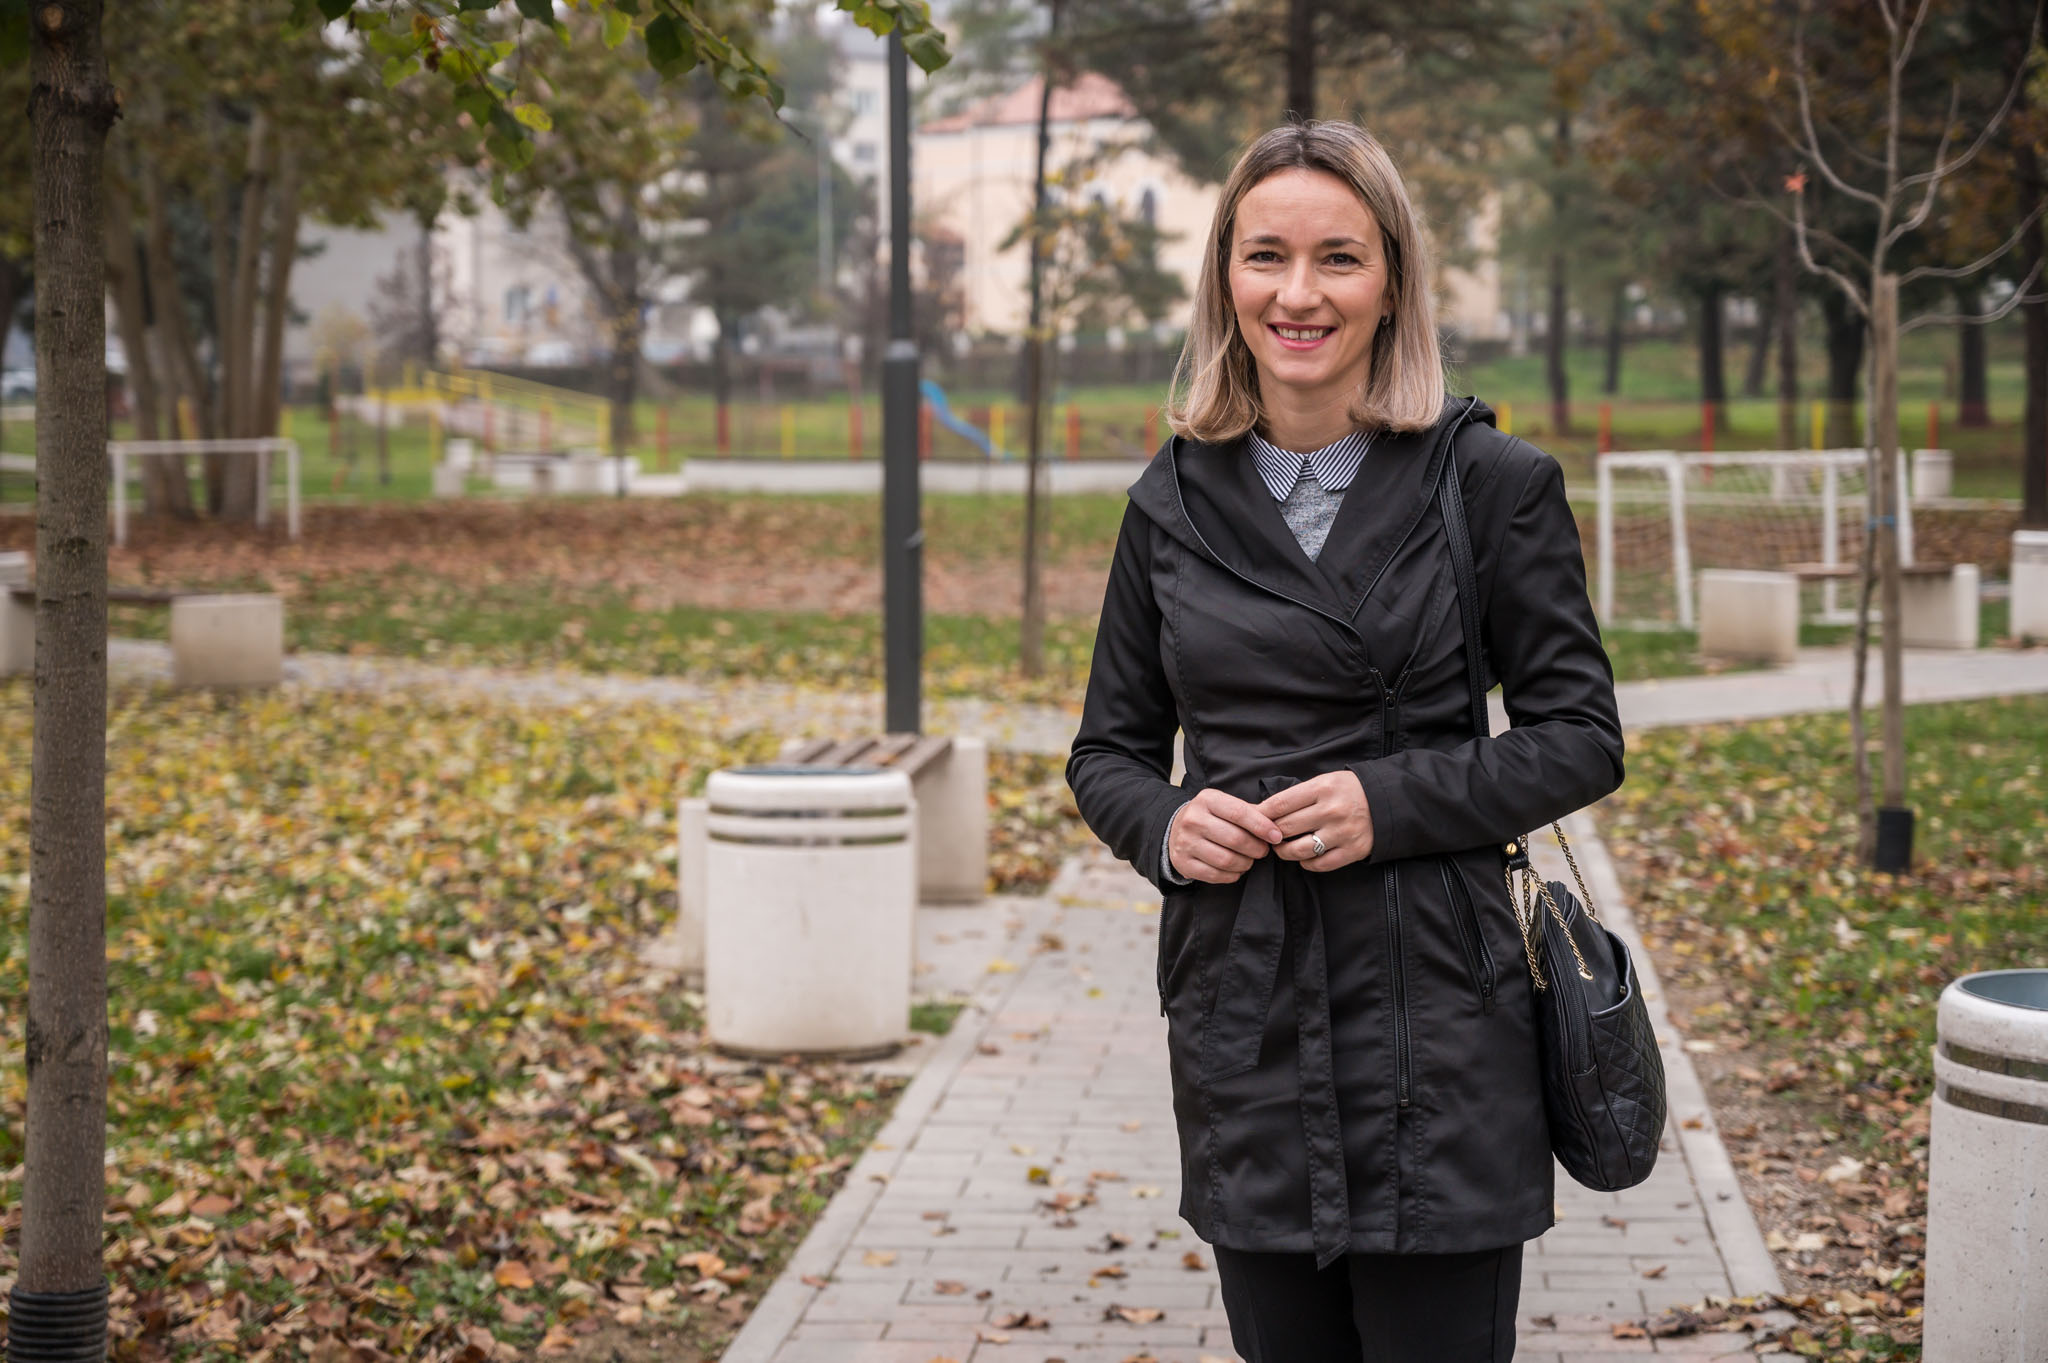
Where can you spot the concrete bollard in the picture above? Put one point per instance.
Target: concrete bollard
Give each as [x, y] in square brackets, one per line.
[682, 948]
[2029, 584]
[17, 618]
[952, 825]
[810, 899]
[227, 640]
[1987, 1195]
[450, 480]
[1934, 474]
[1940, 611]
[1749, 616]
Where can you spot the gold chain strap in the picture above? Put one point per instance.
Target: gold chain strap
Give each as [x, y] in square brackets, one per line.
[1525, 912]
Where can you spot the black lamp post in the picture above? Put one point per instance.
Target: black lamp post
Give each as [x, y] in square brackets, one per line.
[902, 532]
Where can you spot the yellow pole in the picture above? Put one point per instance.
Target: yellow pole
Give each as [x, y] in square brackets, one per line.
[187, 428]
[1507, 418]
[1819, 423]
[995, 429]
[788, 431]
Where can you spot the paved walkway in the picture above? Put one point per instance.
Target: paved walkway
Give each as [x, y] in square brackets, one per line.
[1020, 1206]
[1818, 681]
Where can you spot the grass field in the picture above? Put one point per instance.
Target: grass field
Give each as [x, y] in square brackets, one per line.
[1656, 408]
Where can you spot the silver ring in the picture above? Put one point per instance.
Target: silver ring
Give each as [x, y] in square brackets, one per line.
[1320, 846]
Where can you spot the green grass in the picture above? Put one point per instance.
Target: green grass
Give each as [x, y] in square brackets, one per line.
[1751, 833]
[936, 1018]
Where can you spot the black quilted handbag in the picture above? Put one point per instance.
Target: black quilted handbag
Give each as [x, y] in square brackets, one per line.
[1603, 1080]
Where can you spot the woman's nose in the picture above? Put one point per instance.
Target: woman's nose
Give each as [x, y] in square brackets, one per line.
[1298, 290]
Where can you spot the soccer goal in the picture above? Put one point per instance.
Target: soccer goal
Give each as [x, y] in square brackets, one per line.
[124, 454]
[1665, 514]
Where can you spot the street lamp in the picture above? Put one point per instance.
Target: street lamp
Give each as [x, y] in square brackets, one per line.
[902, 534]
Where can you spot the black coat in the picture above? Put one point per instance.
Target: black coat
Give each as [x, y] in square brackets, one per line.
[1353, 1052]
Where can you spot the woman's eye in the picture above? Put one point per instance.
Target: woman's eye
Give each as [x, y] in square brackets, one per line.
[1263, 256]
[1343, 258]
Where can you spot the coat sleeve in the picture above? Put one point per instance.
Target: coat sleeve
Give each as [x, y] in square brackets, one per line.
[1123, 752]
[1564, 749]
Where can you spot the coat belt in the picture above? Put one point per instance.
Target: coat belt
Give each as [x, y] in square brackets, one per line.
[1281, 904]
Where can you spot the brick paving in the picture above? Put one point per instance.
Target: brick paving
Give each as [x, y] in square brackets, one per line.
[950, 1241]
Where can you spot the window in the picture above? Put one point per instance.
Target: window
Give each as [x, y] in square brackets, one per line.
[518, 302]
[865, 102]
[864, 152]
[1148, 208]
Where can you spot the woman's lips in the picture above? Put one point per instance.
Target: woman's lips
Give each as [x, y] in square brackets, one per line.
[1304, 338]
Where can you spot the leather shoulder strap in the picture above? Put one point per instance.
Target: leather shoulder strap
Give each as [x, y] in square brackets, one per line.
[1467, 577]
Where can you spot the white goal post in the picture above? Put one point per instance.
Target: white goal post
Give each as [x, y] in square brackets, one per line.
[1665, 514]
[119, 452]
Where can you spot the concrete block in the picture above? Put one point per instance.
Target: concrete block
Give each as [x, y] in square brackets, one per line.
[1939, 611]
[450, 480]
[227, 640]
[1934, 474]
[952, 825]
[2030, 584]
[17, 619]
[1749, 616]
[460, 453]
[682, 948]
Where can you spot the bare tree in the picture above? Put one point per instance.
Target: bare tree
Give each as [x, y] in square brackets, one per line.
[1901, 202]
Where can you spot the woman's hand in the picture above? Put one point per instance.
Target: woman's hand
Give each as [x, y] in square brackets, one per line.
[1331, 806]
[1216, 837]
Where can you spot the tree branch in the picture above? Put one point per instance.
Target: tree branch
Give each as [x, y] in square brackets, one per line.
[1943, 170]
[1981, 262]
[1812, 148]
[2019, 296]
[1842, 281]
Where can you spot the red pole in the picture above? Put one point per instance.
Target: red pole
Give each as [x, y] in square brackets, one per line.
[1933, 425]
[661, 436]
[1707, 427]
[724, 430]
[1151, 429]
[1073, 431]
[853, 427]
[1606, 427]
[924, 430]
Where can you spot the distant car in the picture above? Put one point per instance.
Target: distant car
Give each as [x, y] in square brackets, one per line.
[18, 385]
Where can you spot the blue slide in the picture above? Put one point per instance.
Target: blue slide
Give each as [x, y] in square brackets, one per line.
[952, 421]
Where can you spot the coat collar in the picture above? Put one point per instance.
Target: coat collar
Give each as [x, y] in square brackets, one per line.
[1210, 498]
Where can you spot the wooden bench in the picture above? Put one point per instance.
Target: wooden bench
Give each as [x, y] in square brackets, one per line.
[949, 780]
[217, 639]
[1937, 601]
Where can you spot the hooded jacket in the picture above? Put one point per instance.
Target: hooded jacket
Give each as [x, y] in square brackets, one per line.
[1353, 1052]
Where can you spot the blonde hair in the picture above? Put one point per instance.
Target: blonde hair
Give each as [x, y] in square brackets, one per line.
[1215, 392]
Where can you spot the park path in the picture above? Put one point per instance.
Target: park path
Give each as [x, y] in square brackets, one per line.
[1020, 1206]
[1818, 681]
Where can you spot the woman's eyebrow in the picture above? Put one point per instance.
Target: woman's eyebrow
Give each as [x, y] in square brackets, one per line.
[1274, 239]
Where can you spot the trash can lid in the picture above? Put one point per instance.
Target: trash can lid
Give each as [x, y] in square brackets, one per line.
[792, 769]
[2015, 988]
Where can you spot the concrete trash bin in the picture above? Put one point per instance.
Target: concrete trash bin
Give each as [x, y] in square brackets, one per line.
[2029, 584]
[1987, 1193]
[810, 910]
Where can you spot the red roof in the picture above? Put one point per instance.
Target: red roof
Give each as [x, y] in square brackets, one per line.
[1089, 95]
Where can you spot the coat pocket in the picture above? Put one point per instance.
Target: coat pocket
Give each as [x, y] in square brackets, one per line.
[1478, 958]
[1176, 924]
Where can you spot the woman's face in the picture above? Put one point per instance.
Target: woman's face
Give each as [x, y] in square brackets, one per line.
[1308, 280]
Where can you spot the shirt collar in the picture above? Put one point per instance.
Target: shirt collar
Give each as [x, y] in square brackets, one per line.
[1334, 466]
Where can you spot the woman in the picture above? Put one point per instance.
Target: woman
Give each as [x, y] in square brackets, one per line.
[1350, 1024]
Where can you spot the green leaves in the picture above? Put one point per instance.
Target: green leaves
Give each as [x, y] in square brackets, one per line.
[542, 11]
[671, 48]
[927, 49]
[534, 117]
[335, 9]
[617, 24]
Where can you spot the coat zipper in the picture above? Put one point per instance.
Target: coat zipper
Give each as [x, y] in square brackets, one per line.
[1469, 936]
[1397, 968]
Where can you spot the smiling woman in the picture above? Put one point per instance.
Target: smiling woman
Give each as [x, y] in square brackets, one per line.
[1350, 1025]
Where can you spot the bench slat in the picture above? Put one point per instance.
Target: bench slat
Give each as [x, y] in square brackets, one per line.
[1840, 571]
[923, 753]
[806, 753]
[845, 753]
[134, 596]
[908, 753]
[890, 747]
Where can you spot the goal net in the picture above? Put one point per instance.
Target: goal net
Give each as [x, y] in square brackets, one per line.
[1665, 515]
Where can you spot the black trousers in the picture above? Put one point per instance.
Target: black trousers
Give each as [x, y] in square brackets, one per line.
[1372, 1308]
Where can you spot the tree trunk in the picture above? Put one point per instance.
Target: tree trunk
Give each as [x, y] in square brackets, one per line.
[1785, 312]
[1760, 348]
[1973, 407]
[182, 376]
[267, 401]
[430, 314]
[1713, 374]
[165, 491]
[1301, 60]
[1555, 341]
[234, 476]
[1845, 360]
[1884, 411]
[2034, 441]
[1617, 321]
[1031, 633]
[63, 1191]
[13, 279]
